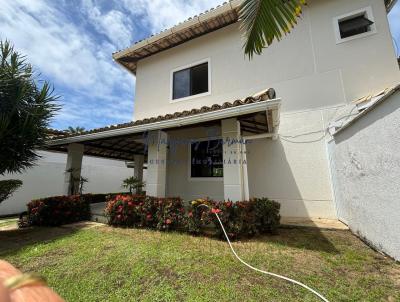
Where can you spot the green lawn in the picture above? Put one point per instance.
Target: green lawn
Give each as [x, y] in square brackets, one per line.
[110, 264]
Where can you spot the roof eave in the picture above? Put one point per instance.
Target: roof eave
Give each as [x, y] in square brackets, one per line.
[174, 123]
[189, 24]
[390, 4]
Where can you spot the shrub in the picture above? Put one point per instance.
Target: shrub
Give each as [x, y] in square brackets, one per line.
[145, 211]
[100, 197]
[240, 219]
[267, 215]
[58, 210]
[170, 214]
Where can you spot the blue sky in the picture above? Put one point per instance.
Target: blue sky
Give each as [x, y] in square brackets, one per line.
[70, 43]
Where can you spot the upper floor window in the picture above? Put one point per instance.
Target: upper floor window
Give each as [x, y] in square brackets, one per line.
[190, 81]
[354, 25]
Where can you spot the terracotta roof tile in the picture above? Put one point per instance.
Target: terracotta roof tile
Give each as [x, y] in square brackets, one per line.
[264, 95]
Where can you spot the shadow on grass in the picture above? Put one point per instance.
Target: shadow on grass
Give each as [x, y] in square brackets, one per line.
[302, 238]
[12, 241]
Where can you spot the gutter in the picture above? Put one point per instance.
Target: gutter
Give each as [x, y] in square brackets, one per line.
[174, 123]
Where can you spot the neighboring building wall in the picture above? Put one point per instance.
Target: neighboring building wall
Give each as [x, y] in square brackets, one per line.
[307, 68]
[47, 179]
[366, 176]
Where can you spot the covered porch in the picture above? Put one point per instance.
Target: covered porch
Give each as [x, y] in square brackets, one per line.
[192, 154]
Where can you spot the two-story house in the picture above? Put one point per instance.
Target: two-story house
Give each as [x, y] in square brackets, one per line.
[209, 122]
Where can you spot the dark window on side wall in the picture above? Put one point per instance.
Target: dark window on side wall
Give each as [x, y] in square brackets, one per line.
[206, 159]
[190, 81]
[354, 26]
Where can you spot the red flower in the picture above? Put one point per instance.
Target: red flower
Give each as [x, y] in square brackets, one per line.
[148, 216]
[215, 211]
[168, 221]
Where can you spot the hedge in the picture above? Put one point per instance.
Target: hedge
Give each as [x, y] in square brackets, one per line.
[240, 219]
[146, 211]
[58, 210]
[101, 197]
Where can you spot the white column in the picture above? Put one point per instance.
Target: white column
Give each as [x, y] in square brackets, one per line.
[235, 178]
[74, 164]
[138, 169]
[245, 177]
[157, 164]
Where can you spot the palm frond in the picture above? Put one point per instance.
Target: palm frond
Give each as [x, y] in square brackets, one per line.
[263, 21]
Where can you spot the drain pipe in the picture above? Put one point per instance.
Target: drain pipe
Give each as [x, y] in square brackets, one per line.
[264, 272]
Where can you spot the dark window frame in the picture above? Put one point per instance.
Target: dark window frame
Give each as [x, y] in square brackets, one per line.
[366, 12]
[348, 27]
[208, 161]
[191, 86]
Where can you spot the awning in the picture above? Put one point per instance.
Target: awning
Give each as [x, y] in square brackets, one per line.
[257, 114]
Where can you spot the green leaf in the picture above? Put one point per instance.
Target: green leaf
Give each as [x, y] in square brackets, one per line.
[264, 21]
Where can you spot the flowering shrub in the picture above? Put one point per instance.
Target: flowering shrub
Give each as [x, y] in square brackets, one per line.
[58, 210]
[145, 211]
[100, 197]
[242, 218]
[170, 214]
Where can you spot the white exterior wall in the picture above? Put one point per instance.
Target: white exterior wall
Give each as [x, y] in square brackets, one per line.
[314, 76]
[47, 179]
[179, 182]
[307, 68]
[366, 175]
[293, 169]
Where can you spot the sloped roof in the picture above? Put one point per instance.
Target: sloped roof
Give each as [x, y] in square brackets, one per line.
[261, 96]
[196, 26]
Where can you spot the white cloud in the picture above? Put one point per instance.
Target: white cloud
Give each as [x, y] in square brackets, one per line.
[72, 45]
[113, 23]
[67, 55]
[162, 14]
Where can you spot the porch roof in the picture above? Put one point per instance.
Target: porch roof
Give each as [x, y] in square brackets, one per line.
[257, 114]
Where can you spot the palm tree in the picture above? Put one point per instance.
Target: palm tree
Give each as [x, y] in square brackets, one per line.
[133, 183]
[264, 21]
[26, 108]
[75, 130]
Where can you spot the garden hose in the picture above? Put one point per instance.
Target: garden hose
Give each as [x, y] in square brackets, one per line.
[261, 271]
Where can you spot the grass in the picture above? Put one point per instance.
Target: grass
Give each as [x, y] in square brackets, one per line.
[110, 264]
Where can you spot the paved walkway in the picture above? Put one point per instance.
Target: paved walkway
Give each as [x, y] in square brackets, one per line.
[331, 224]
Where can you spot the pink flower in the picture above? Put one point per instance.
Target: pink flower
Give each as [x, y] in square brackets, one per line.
[168, 221]
[148, 216]
[190, 214]
[215, 211]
